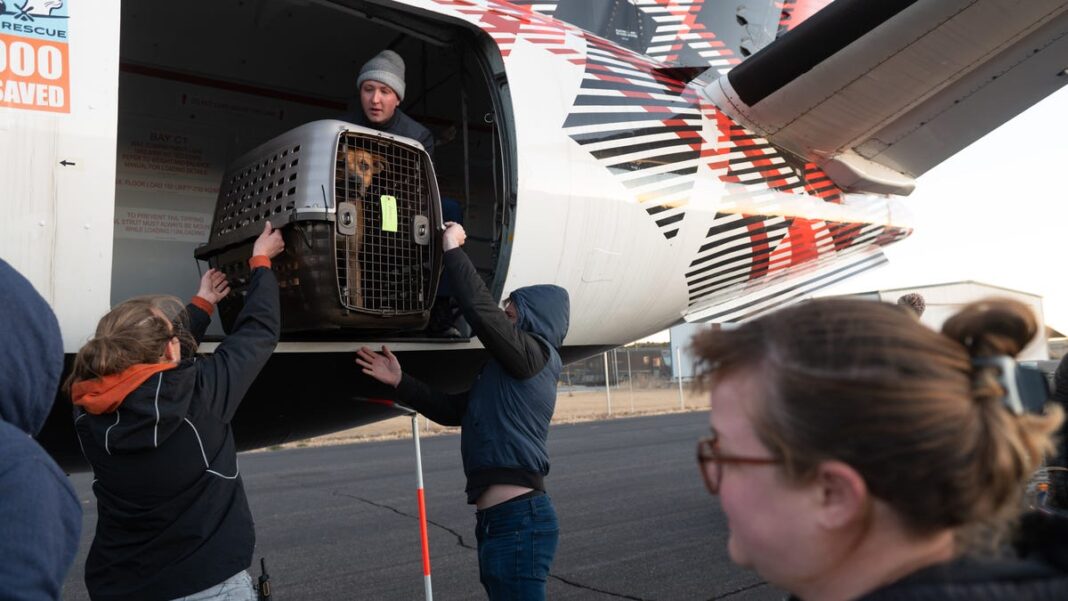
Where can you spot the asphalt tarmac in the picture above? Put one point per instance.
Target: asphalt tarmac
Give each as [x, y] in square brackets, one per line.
[340, 522]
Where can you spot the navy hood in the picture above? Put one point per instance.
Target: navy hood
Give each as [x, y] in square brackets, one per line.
[543, 310]
[31, 353]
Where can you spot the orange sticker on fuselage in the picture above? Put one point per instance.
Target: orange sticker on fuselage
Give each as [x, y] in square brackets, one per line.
[34, 58]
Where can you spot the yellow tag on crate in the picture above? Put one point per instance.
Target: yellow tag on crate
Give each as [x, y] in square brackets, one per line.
[389, 213]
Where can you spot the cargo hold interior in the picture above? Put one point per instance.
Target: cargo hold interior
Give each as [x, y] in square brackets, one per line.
[197, 89]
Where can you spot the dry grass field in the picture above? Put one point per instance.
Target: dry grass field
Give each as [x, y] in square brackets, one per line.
[572, 405]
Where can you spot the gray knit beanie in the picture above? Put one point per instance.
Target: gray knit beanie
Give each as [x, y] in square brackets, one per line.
[387, 67]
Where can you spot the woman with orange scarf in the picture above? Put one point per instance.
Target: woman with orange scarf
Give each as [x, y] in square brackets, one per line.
[154, 423]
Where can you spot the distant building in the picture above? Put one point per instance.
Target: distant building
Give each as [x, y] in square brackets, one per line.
[681, 337]
[943, 300]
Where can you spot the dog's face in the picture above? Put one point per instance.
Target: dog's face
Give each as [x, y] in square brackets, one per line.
[362, 165]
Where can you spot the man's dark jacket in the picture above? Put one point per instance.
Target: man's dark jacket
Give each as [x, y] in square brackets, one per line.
[1059, 479]
[399, 124]
[40, 517]
[173, 518]
[505, 415]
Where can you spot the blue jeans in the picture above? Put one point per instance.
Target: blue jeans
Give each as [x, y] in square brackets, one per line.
[516, 545]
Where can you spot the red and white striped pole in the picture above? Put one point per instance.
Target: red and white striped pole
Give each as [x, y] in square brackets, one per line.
[419, 492]
[422, 509]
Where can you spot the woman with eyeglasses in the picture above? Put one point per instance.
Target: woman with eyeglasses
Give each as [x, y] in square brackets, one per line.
[173, 521]
[859, 455]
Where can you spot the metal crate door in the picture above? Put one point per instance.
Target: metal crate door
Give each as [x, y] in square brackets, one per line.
[383, 246]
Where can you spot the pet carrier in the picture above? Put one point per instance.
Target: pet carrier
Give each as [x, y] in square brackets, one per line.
[360, 214]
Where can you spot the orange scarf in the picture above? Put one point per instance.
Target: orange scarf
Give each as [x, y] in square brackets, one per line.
[104, 395]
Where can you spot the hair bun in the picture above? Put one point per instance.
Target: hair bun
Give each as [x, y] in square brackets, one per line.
[997, 326]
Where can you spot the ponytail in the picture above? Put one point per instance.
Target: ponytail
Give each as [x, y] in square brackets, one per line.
[1011, 443]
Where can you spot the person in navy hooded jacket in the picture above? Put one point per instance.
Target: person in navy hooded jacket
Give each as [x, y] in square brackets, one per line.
[504, 421]
[40, 517]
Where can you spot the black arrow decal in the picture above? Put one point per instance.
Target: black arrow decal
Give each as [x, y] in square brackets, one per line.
[66, 163]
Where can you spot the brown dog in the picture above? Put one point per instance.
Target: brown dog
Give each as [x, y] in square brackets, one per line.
[360, 166]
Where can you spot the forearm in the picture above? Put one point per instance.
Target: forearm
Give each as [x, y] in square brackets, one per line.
[518, 352]
[239, 358]
[259, 323]
[445, 409]
[199, 312]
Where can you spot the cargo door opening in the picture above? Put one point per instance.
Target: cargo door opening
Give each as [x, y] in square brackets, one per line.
[196, 93]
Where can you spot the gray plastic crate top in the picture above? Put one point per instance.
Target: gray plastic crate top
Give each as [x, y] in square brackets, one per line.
[292, 177]
[357, 208]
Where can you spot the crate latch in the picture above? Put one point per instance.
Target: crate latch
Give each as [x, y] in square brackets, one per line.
[421, 230]
[346, 218]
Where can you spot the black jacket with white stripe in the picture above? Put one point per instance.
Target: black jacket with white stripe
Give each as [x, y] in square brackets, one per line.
[173, 518]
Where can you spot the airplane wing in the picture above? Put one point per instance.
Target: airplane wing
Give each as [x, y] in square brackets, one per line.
[878, 93]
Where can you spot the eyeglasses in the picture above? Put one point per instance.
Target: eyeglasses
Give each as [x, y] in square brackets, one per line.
[710, 460]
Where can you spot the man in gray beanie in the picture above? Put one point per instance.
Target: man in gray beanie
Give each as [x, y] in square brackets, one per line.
[381, 86]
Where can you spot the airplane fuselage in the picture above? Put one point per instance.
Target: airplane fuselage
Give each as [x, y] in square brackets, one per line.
[578, 162]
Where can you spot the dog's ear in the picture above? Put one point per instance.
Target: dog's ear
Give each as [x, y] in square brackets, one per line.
[380, 165]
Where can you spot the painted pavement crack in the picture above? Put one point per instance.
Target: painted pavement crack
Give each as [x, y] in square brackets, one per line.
[460, 541]
[738, 590]
[459, 537]
[596, 590]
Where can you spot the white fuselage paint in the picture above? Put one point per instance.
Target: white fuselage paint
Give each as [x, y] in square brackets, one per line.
[577, 225]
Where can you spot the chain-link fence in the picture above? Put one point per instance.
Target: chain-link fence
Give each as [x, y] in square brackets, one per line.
[627, 381]
[630, 380]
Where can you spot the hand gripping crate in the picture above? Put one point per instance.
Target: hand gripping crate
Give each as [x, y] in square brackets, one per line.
[360, 214]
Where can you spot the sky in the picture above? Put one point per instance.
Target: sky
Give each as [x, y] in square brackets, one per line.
[995, 212]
